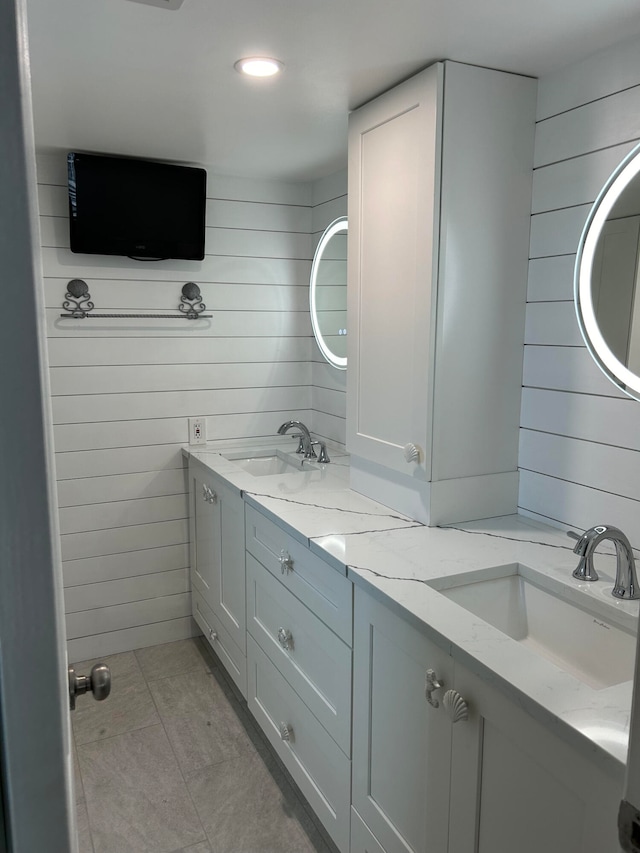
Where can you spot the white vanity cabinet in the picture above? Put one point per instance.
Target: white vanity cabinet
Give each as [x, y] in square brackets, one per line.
[494, 783]
[517, 786]
[401, 745]
[217, 555]
[440, 173]
[299, 622]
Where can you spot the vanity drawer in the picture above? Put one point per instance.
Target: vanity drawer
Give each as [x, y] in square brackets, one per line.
[317, 764]
[315, 662]
[220, 641]
[325, 592]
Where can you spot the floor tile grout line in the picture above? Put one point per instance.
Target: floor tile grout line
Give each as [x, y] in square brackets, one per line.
[184, 781]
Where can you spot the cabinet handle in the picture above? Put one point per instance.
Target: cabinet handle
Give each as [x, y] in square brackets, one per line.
[286, 563]
[285, 638]
[412, 452]
[286, 732]
[455, 706]
[208, 494]
[213, 634]
[431, 685]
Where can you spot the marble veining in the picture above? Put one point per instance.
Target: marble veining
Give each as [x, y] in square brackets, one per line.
[398, 563]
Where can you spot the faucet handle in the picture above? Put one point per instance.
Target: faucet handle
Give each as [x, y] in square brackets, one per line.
[573, 535]
[324, 456]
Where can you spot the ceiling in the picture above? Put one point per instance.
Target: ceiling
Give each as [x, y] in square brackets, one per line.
[121, 77]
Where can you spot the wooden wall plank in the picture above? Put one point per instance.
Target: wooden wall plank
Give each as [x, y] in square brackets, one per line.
[99, 620]
[565, 369]
[557, 232]
[142, 433]
[551, 279]
[152, 296]
[86, 352]
[597, 124]
[126, 590]
[108, 567]
[121, 487]
[110, 643]
[76, 546]
[607, 420]
[552, 323]
[123, 379]
[78, 464]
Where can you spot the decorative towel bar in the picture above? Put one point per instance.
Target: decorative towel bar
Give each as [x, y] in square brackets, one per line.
[78, 305]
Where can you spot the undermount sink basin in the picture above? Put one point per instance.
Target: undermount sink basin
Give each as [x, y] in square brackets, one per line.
[528, 606]
[266, 463]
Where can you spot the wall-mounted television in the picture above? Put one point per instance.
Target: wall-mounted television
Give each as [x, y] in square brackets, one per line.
[138, 208]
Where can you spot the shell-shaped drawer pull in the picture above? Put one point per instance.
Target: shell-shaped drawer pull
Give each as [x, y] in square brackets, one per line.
[285, 638]
[205, 492]
[412, 452]
[286, 732]
[286, 563]
[431, 685]
[455, 706]
[213, 635]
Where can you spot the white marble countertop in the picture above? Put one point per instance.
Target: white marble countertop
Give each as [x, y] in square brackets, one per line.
[396, 559]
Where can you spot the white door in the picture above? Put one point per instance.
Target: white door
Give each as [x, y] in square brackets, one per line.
[35, 739]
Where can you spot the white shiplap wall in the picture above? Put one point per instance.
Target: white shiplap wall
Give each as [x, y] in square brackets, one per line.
[580, 436]
[329, 403]
[123, 390]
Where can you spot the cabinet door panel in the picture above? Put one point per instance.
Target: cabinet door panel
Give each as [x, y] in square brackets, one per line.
[401, 744]
[516, 786]
[362, 841]
[393, 145]
[232, 658]
[217, 554]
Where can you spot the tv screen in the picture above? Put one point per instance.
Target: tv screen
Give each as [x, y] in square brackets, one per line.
[137, 208]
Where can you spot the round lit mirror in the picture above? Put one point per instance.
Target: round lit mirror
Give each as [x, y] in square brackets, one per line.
[328, 293]
[607, 291]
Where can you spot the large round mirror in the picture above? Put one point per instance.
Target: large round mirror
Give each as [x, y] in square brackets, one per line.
[328, 293]
[607, 291]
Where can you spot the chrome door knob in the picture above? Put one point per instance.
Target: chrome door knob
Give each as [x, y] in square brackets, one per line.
[286, 562]
[97, 682]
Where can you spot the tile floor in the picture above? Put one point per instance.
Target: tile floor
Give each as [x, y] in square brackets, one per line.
[172, 762]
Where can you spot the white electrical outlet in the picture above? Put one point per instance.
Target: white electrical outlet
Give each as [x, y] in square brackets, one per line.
[197, 430]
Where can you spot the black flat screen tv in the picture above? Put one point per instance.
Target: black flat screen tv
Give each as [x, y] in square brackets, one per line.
[138, 208]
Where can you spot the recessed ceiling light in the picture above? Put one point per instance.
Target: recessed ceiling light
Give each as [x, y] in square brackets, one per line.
[259, 66]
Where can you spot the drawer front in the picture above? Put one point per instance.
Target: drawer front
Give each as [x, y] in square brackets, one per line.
[326, 593]
[315, 662]
[362, 839]
[220, 641]
[318, 765]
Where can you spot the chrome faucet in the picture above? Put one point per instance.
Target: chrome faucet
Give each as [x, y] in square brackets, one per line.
[305, 446]
[626, 583]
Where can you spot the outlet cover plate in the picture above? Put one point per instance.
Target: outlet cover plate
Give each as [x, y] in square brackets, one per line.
[197, 431]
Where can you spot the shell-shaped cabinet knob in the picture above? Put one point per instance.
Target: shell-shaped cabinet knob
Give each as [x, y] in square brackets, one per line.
[286, 732]
[455, 706]
[213, 635]
[412, 452]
